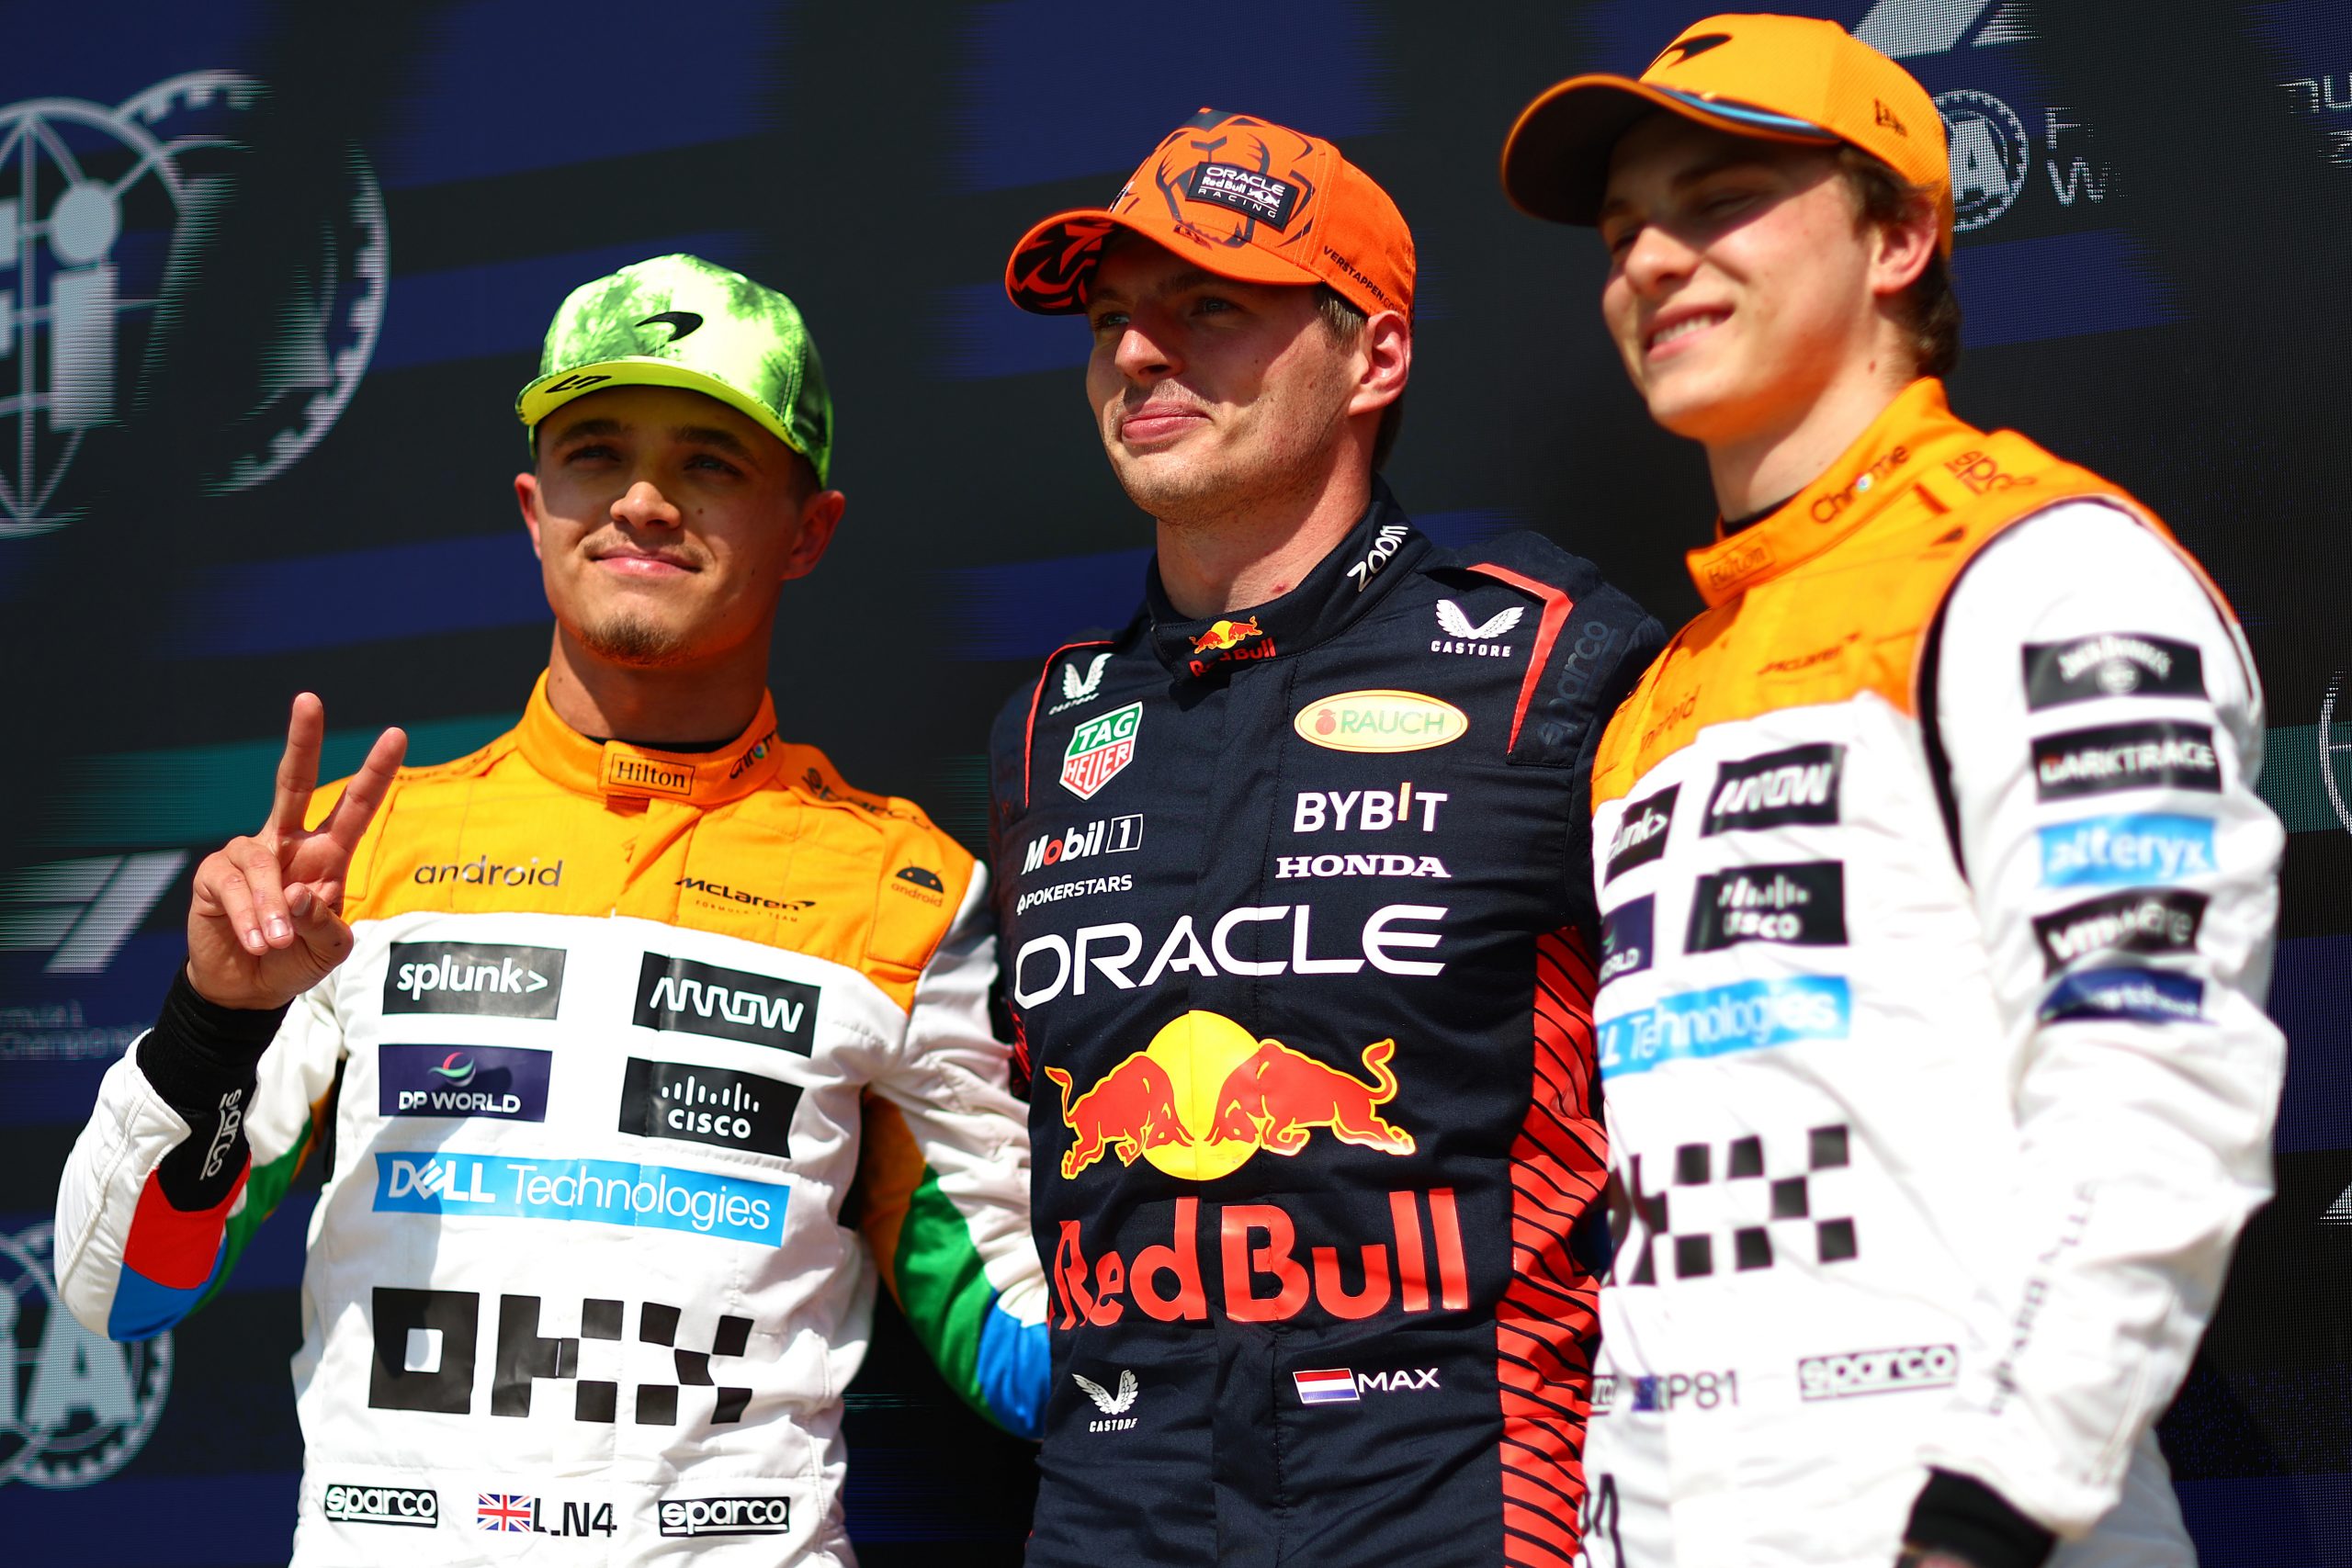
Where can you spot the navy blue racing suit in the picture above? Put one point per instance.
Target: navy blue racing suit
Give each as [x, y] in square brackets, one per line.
[1297, 930]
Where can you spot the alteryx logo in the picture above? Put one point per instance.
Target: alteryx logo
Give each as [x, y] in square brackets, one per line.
[2114, 852]
[1749, 1016]
[612, 1192]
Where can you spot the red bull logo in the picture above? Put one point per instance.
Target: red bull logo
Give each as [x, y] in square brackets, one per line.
[1206, 1094]
[1223, 635]
[1259, 1271]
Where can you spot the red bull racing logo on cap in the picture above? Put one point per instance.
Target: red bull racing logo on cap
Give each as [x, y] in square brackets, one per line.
[1098, 750]
[1206, 1094]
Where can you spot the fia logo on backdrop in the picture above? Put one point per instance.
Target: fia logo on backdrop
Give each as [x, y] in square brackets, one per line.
[74, 1407]
[102, 211]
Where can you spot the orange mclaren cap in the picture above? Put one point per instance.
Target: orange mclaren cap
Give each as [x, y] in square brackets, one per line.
[1248, 199]
[1780, 78]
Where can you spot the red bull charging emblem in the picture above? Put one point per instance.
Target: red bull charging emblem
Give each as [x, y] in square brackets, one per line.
[1223, 635]
[1206, 1094]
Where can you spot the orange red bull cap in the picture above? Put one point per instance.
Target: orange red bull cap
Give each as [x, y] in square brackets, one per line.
[1247, 199]
[1780, 78]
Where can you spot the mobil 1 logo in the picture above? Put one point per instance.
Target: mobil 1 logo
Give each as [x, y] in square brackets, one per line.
[478, 978]
[2111, 664]
[1776, 790]
[680, 995]
[707, 1105]
[1799, 904]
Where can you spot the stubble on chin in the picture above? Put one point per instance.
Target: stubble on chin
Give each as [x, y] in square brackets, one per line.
[631, 641]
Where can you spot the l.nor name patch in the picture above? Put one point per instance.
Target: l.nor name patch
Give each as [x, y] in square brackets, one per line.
[2111, 664]
[2161, 753]
[1246, 191]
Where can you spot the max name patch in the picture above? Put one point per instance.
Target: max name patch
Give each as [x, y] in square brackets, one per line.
[1246, 191]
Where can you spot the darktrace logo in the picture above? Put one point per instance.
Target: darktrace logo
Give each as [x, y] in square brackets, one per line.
[2111, 664]
[1799, 905]
[1627, 942]
[490, 979]
[427, 1358]
[483, 871]
[707, 1105]
[2158, 753]
[682, 324]
[1776, 789]
[724, 1515]
[680, 995]
[736, 895]
[1641, 832]
[2139, 922]
[418, 1507]
[502, 1082]
[1850, 1373]
[920, 882]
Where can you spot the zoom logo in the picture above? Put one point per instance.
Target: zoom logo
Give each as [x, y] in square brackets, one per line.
[725, 1515]
[707, 1105]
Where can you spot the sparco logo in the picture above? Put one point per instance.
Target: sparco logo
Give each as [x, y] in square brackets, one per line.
[727, 1515]
[2125, 756]
[1878, 1372]
[728, 1004]
[1803, 905]
[1641, 834]
[2121, 923]
[1799, 784]
[2112, 664]
[474, 978]
[418, 1506]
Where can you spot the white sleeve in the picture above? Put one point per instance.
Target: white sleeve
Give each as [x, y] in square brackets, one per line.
[2103, 727]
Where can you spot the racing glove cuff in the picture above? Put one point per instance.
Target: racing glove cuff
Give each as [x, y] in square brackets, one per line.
[1962, 1517]
[200, 1050]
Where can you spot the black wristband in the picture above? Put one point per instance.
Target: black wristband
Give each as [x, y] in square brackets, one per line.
[1960, 1515]
[200, 1050]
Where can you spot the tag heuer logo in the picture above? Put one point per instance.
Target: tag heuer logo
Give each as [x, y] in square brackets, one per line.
[1098, 749]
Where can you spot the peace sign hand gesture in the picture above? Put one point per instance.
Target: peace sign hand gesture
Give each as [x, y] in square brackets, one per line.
[264, 925]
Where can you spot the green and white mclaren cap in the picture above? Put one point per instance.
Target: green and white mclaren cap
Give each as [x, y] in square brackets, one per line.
[682, 322]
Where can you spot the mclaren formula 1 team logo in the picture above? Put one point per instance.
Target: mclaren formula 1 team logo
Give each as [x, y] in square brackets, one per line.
[1206, 1094]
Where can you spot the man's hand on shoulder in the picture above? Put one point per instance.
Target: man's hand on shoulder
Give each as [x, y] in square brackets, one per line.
[265, 922]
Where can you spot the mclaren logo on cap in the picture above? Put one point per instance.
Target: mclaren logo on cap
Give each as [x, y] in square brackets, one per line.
[682, 323]
[1683, 50]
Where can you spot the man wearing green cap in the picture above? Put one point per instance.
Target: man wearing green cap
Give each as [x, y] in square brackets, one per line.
[597, 1025]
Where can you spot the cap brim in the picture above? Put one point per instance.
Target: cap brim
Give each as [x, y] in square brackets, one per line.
[1047, 272]
[550, 392]
[1556, 160]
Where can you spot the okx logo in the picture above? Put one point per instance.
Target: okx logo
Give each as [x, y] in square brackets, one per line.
[429, 1358]
[1206, 1094]
[488, 979]
[680, 995]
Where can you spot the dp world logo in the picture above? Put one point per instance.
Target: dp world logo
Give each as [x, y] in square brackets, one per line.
[102, 211]
[1990, 156]
[74, 1407]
